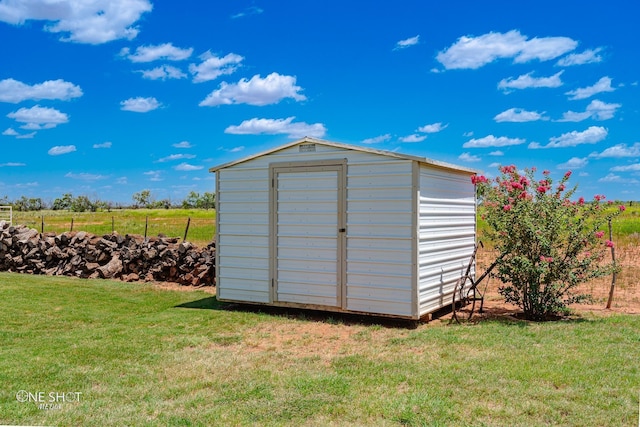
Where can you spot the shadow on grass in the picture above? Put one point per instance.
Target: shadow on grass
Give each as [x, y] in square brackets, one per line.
[210, 303]
[302, 314]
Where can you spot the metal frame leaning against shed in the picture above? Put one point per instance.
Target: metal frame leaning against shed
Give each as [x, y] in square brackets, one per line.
[324, 225]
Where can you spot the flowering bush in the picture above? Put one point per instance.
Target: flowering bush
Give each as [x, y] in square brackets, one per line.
[547, 244]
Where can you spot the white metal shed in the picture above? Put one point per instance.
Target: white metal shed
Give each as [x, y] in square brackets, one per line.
[330, 226]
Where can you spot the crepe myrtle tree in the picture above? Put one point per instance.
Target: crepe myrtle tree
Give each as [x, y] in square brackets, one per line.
[547, 243]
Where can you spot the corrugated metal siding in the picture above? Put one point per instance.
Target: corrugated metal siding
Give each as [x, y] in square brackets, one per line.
[379, 239]
[447, 223]
[243, 234]
[379, 260]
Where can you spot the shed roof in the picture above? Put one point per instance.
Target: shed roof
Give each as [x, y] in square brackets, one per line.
[309, 140]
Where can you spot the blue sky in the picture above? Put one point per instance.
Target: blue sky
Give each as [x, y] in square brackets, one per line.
[107, 98]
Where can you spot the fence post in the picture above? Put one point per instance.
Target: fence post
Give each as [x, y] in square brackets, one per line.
[42, 225]
[613, 278]
[146, 225]
[71, 229]
[186, 230]
[113, 228]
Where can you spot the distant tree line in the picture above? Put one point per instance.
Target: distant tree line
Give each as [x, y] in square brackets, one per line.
[141, 199]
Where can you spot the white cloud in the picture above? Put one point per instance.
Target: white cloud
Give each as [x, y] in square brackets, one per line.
[176, 157]
[589, 56]
[286, 126]
[591, 135]
[14, 91]
[602, 85]
[10, 132]
[106, 144]
[413, 138]
[257, 91]
[93, 22]
[12, 164]
[213, 67]
[61, 149]
[187, 167]
[467, 157]
[619, 151]
[377, 139]
[574, 163]
[526, 81]
[26, 135]
[433, 128]
[596, 110]
[253, 10]
[411, 41]
[475, 52]
[163, 72]
[83, 176]
[154, 175]
[497, 153]
[618, 179]
[165, 51]
[182, 144]
[140, 105]
[122, 180]
[628, 168]
[492, 141]
[519, 115]
[37, 117]
[237, 149]
[28, 184]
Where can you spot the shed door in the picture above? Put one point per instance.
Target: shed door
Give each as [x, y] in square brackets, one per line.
[307, 211]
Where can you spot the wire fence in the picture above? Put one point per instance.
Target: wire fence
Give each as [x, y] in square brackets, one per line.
[6, 214]
[195, 229]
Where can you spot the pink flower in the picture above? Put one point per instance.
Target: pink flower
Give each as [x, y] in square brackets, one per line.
[508, 169]
[567, 174]
[581, 201]
[599, 234]
[542, 189]
[622, 208]
[608, 244]
[523, 195]
[546, 259]
[546, 172]
[506, 208]
[477, 179]
[561, 187]
[599, 197]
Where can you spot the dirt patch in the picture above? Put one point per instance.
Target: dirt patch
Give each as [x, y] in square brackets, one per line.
[305, 339]
[626, 296]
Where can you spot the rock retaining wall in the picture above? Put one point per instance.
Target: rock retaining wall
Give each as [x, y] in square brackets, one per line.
[113, 256]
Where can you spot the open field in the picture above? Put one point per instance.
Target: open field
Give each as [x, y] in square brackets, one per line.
[111, 354]
[171, 222]
[626, 226]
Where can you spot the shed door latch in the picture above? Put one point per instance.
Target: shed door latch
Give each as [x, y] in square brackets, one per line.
[342, 230]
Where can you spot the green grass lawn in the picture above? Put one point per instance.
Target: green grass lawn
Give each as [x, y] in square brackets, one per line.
[144, 356]
[171, 222]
